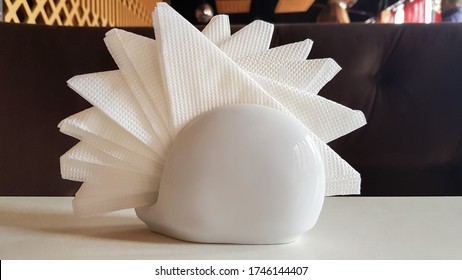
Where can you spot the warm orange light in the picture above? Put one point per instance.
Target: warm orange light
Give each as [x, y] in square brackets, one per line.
[233, 6]
[293, 6]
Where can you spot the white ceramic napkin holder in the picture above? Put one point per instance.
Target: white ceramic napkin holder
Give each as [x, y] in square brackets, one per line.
[211, 137]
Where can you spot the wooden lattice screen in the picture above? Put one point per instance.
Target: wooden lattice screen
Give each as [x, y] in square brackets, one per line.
[77, 12]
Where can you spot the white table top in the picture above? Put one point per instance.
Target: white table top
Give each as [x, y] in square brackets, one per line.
[348, 228]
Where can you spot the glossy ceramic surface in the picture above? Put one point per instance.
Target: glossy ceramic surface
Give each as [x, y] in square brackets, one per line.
[243, 174]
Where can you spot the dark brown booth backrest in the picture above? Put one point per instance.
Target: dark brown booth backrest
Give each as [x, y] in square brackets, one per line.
[407, 79]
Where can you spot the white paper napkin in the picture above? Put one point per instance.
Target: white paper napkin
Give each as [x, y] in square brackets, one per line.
[217, 30]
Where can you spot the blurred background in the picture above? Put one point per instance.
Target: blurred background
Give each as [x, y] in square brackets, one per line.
[290, 11]
[138, 12]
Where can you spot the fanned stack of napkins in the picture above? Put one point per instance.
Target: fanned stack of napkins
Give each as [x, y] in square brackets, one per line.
[163, 84]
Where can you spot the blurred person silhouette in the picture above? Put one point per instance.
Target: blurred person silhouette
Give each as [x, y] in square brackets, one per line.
[336, 11]
[451, 10]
